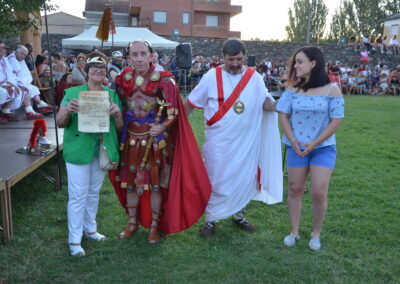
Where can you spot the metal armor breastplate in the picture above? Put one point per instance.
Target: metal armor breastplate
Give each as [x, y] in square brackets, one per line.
[140, 104]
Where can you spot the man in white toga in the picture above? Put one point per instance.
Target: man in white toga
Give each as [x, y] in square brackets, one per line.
[24, 78]
[242, 149]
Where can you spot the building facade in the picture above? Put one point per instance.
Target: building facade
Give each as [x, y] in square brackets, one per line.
[63, 24]
[187, 18]
[392, 27]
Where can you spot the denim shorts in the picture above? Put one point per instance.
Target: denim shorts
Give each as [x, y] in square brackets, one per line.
[323, 157]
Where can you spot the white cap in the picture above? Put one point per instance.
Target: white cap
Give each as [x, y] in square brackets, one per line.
[116, 53]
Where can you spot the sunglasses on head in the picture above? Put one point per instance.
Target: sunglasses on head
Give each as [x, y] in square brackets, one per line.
[146, 43]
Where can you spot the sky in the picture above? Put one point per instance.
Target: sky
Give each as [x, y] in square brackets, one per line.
[263, 19]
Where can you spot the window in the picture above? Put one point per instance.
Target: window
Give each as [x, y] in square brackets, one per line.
[394, 29]
[185, 18]
[211, 21]
[134, 22]
[160, 17]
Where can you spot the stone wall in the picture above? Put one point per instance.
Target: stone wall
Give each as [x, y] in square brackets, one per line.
[55, 42]
[275, 50]
[283, 50]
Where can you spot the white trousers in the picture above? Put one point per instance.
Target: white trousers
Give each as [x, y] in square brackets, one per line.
[33, 90]
[15, 102]
[3, 96]
[84, 184]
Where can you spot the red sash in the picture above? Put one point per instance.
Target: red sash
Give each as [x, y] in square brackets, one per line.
[225, 106]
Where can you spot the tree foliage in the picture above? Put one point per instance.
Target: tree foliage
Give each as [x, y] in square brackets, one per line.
[339, 26]
[298, 20]
[362, 17]
[391, 7]
[14, 16]
[365, 16]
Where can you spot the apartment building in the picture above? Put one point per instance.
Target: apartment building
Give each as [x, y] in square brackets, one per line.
[187, 18]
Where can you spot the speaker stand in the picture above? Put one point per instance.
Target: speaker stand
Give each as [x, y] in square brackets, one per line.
[184, 81]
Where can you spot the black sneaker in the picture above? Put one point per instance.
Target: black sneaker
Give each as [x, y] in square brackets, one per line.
[208, 229]
[244, 225]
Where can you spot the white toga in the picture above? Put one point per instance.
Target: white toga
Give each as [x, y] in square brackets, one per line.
[23, 75]
[237, 145]
[6, 75]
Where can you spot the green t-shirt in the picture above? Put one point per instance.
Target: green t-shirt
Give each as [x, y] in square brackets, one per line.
[79, 147]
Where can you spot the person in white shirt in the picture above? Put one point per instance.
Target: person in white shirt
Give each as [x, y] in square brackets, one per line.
[385, 70]
[268, 63]
[367, 71]
[367, 43]
[352, 84]
[394, 44]
[156, 63]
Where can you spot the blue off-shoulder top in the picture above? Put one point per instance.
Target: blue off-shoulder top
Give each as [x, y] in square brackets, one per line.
[310, 114]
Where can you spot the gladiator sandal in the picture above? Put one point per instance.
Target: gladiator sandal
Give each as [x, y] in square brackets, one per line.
[154, 234]
[132, 225]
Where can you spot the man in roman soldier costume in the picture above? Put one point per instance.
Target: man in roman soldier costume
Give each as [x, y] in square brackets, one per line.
[161, 181]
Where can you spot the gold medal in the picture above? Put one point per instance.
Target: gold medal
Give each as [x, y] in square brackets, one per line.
[238, 107]
[131, 104]
[154, 76]
[139, 81]
[128, 76]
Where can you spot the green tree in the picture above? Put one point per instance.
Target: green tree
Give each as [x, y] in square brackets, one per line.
[340, 27]
[298, 20]
[361, 17]
[13, 16]
[365, 16]
[391, 7]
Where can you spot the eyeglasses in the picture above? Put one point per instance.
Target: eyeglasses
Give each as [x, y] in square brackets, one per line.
[99, 69]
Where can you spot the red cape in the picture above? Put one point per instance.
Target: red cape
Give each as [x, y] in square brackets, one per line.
[189, 189]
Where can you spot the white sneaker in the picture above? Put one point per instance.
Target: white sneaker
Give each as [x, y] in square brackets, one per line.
[95, 236]
[290, 240]
[76, 250]
[314, 244]
[44, 140]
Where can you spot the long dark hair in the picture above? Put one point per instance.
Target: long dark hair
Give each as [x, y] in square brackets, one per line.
[40, 59]
[64, 77]
[318, 76]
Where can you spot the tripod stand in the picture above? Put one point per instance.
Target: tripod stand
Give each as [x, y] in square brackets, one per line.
[182, 83]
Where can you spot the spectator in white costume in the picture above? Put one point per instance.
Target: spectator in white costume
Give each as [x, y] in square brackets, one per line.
[13, 93]
[24, 78]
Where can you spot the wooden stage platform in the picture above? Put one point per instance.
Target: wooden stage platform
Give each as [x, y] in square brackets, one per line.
[14, 166]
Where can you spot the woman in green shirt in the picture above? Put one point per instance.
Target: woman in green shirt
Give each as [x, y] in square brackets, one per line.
[85, 177]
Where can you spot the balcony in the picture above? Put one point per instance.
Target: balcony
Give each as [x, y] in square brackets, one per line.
[235, 34]
[213, 32]
[220, 6]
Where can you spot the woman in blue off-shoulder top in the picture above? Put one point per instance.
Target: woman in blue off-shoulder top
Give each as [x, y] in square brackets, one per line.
[310, 113]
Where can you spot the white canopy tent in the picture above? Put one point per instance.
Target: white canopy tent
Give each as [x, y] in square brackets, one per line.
[122, 38]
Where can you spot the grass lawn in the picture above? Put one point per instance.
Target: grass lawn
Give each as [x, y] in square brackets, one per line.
[360, 237]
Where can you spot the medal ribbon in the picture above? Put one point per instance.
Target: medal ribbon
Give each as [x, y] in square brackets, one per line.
[225, 106]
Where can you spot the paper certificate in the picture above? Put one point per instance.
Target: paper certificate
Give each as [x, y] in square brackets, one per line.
[93, 113]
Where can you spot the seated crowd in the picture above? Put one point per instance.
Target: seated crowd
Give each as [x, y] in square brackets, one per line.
[373, 43]
[364, 79]
[26, 81]
[359, 79]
